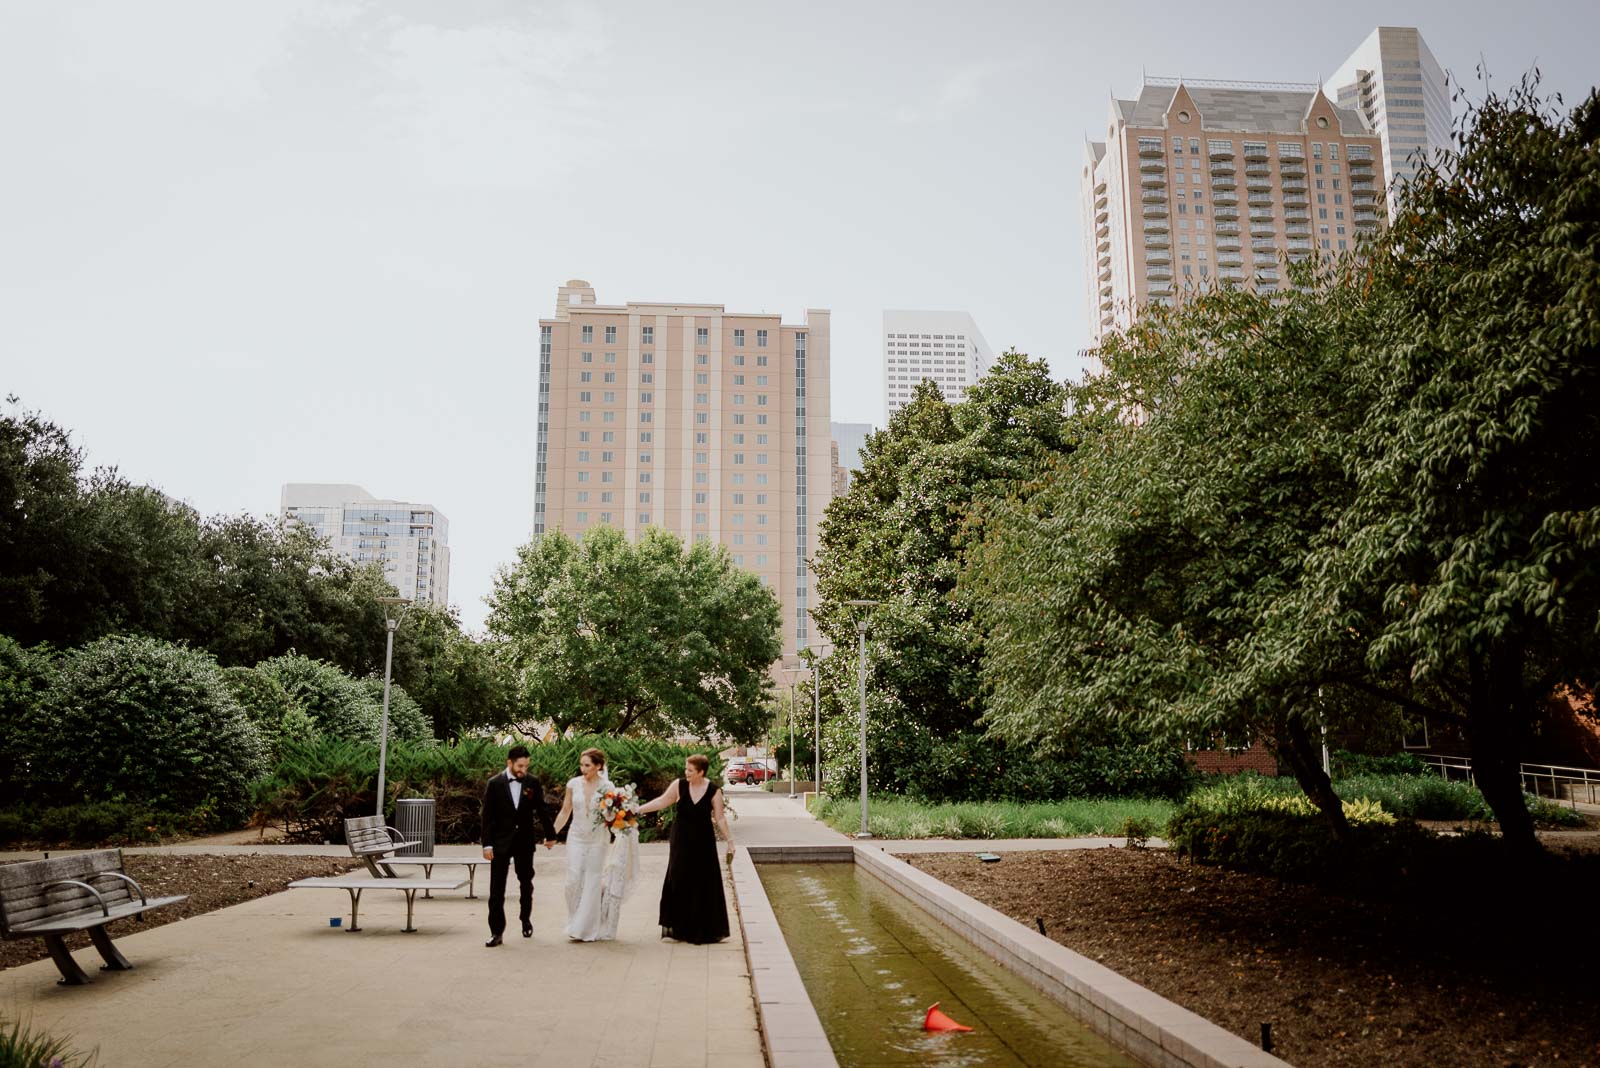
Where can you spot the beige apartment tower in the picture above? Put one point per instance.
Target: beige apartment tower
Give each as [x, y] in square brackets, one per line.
[1206, 182]
[682, 416]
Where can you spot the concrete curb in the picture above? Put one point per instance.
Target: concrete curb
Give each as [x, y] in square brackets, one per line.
[791, 1032]
[1158, 1032]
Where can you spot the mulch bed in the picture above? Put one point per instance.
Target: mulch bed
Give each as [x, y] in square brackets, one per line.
[212, 882]
[1342, 981]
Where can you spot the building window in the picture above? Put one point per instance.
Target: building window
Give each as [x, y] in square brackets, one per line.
[761, 339]
[611, 335]
[738, 339]
[609, 376]
[644, 476]
[584, 396]
[647, 335]
[702, 335]
[647, 398]
[585, 376]
[647, 357]
[588, 335]
[588, 357]
[611, 357]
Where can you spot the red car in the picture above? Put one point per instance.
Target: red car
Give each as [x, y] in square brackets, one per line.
[749, 773]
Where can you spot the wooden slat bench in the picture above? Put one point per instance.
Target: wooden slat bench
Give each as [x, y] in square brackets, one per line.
[355, 884]
[371, 840]
[78, 892]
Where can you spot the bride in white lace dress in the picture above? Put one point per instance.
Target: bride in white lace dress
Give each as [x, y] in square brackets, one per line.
[588, 918]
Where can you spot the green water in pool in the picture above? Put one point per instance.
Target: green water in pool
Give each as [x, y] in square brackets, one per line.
[873, 961]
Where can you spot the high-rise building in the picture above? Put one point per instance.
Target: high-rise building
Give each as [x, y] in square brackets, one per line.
[411, 541]
[1396, 84]
[1200, 182]
[851, 438]
[682, 416]
[945, 346]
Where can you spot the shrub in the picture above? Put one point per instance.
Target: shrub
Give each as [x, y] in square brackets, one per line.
[140, 720]
[1295, 846]
[268, 705]
[339, 706]
[1418, 797]
[26, 678]
[406, 719]
[969, 767]
[1346, 764]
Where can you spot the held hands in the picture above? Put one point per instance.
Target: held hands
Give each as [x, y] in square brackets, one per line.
[488, 852]
[549, 843]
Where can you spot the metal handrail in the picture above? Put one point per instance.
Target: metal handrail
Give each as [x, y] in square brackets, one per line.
[1532, 775]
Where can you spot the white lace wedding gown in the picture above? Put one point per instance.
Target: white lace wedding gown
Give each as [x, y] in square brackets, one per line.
[587, 846]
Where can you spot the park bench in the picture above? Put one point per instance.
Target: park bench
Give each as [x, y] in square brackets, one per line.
[58, 896]
[371, 840]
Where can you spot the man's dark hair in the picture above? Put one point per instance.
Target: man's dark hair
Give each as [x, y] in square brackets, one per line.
[517, 752]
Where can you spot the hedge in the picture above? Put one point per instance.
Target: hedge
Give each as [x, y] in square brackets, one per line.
[319, 782]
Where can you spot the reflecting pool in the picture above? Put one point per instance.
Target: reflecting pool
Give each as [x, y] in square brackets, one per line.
[873, 961]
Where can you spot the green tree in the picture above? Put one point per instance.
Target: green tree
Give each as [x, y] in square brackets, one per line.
[650, 637]
[900, 537]
[462, 684]
[1476, 507]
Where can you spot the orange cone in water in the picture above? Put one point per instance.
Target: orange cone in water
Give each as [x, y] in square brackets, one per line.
[938, 1021]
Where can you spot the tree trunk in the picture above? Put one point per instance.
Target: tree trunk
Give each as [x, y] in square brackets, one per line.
[1302, 755]
[1492, 726]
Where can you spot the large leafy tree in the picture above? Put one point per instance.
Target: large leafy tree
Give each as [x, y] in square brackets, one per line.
[1129, 588]
[899, 537]
[1476, 511]
[1377, 495]
[648, 637]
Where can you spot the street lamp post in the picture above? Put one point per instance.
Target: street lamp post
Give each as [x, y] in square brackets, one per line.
[816, 719]
[861, 633]
[791, 673]
[391, 622]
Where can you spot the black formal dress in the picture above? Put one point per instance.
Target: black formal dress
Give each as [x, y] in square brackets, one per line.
[513, 831]
[693, 908]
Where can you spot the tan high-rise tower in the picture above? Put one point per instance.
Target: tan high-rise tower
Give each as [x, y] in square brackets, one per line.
[682, 416]
[1200, 182]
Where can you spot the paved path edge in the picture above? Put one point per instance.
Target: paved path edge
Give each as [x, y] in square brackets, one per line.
[791, 1031]
[1156, 1031]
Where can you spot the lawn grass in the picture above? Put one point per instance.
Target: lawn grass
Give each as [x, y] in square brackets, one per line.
[898, 817]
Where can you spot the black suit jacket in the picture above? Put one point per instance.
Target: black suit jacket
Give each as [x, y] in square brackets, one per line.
[506, 828]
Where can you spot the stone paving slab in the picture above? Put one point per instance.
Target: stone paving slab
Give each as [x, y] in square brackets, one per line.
[269, 983]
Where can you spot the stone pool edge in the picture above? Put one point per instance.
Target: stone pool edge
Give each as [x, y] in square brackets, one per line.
[1152, 1029]
[791, 1032]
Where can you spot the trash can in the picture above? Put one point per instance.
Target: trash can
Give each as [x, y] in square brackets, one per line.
[413, 818]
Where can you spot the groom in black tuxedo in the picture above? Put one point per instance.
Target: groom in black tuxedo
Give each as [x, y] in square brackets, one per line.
[515, 818]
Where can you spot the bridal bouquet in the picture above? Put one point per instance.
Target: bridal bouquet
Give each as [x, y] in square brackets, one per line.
[618, 809]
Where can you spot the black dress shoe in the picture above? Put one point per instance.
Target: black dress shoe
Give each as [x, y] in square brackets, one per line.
[495, 941]
[527, 930]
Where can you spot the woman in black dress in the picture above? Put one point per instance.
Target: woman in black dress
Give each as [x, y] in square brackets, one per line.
[693, 907]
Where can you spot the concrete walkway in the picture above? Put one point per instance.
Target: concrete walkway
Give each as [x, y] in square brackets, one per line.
[269, 983]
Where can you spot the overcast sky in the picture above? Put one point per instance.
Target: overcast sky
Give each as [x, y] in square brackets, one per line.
[248, 243]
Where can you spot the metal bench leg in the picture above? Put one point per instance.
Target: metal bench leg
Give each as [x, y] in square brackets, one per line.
[71, 974]
[427, 873]
[355, 906]
[411, 900]
[472, 875]
[114, 960]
